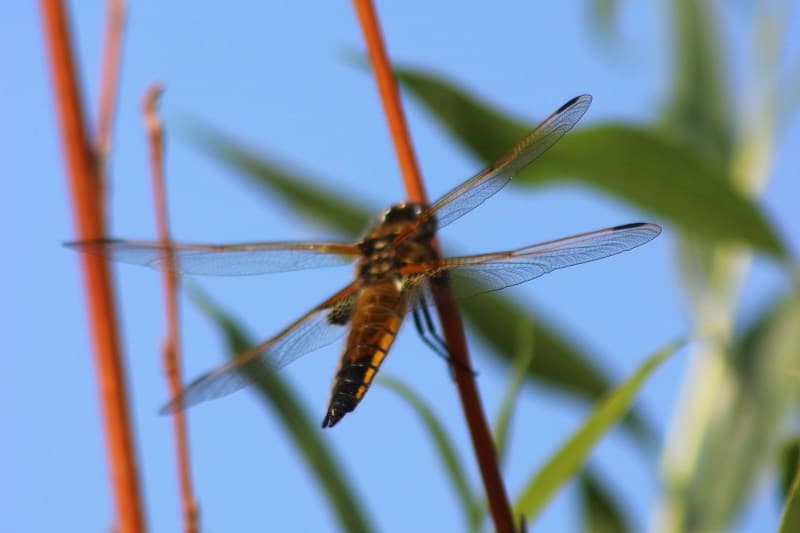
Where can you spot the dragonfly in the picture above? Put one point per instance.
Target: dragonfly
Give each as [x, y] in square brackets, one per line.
[396, 266]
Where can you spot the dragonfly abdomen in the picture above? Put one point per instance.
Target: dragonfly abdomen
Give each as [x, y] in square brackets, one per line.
[377, 316]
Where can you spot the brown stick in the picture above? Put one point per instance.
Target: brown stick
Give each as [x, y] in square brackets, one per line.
[387, 89]
[109, 77]
[83, 183]
[448, 314]
[106, 105]
[171, 346]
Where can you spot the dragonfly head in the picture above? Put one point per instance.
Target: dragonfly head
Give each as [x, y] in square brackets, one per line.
[398, 215]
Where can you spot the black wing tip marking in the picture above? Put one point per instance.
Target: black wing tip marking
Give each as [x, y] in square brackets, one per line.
[573, 101]
[655, 228]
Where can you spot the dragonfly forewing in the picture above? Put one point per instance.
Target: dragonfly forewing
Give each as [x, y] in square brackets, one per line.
[223, 260]
[476, 190]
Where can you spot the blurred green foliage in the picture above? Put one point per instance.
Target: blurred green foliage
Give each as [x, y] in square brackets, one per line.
[569, 459]
[600, 513]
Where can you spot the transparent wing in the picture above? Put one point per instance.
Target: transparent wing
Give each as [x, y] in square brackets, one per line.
[477, 189]
[489, 272]
[223, 260]
[319, 327]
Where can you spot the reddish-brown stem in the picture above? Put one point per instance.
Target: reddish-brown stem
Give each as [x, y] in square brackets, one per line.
[109, 77]
[106, 105]
[83, 184]
[171, 347]
[390, 98]
[452, 327]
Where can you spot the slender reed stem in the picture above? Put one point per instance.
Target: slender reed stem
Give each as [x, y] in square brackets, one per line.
[387, 89]
[106, 104]
[452, 327]
[109, 79]
[82, 173]
[171, 347]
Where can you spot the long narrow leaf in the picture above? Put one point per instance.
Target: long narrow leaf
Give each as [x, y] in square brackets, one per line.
[698, 106]
[790, 517]
[296, 422]
[305, 195]
[570, 457]
[522, 360]
[641, 165]
[559, 363]
[789, 461]
[601, 511]
[444, 446]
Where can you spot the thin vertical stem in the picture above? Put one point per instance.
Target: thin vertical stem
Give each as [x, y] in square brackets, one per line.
[171, 347]
[387, 89]
[106, 105]
[109, 78]
[471, 404]
[83, 184]
[452, 327]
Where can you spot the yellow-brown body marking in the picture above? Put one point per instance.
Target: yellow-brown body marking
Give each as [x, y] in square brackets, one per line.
[381, 304]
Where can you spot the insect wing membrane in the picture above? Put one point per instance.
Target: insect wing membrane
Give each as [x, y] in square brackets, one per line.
[223, 260]
[317, 328]
[489, 272]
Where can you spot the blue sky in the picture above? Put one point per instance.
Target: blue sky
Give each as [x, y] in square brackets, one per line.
[276, 76]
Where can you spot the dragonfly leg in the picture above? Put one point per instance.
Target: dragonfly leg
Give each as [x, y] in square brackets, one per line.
[423, 322]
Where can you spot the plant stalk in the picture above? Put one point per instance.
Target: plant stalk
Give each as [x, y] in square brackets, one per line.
[83, 178]
[452, 326]
[171, 354]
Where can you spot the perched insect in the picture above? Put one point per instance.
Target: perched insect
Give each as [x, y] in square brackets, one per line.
[395, 265]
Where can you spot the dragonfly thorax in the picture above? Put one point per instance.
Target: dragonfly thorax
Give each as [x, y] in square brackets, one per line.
[382, 255]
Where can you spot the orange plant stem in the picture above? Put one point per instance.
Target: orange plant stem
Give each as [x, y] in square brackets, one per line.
[387, 89]
[171, 347]
[453, 329]
[106, 105]
[83, 183]
[109, 76]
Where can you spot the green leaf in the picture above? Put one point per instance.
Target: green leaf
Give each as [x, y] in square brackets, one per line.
[296, 422]
[308, 196]
[444, 446]
[761, 390]
[601, 512]
[790, 465]
[521, 362]
[699, 104]
[643, 166]
[570, 457]
[559, 362]
[790, 516]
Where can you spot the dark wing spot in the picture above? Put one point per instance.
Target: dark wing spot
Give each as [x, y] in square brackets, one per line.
[629, 226]
[569, 103]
